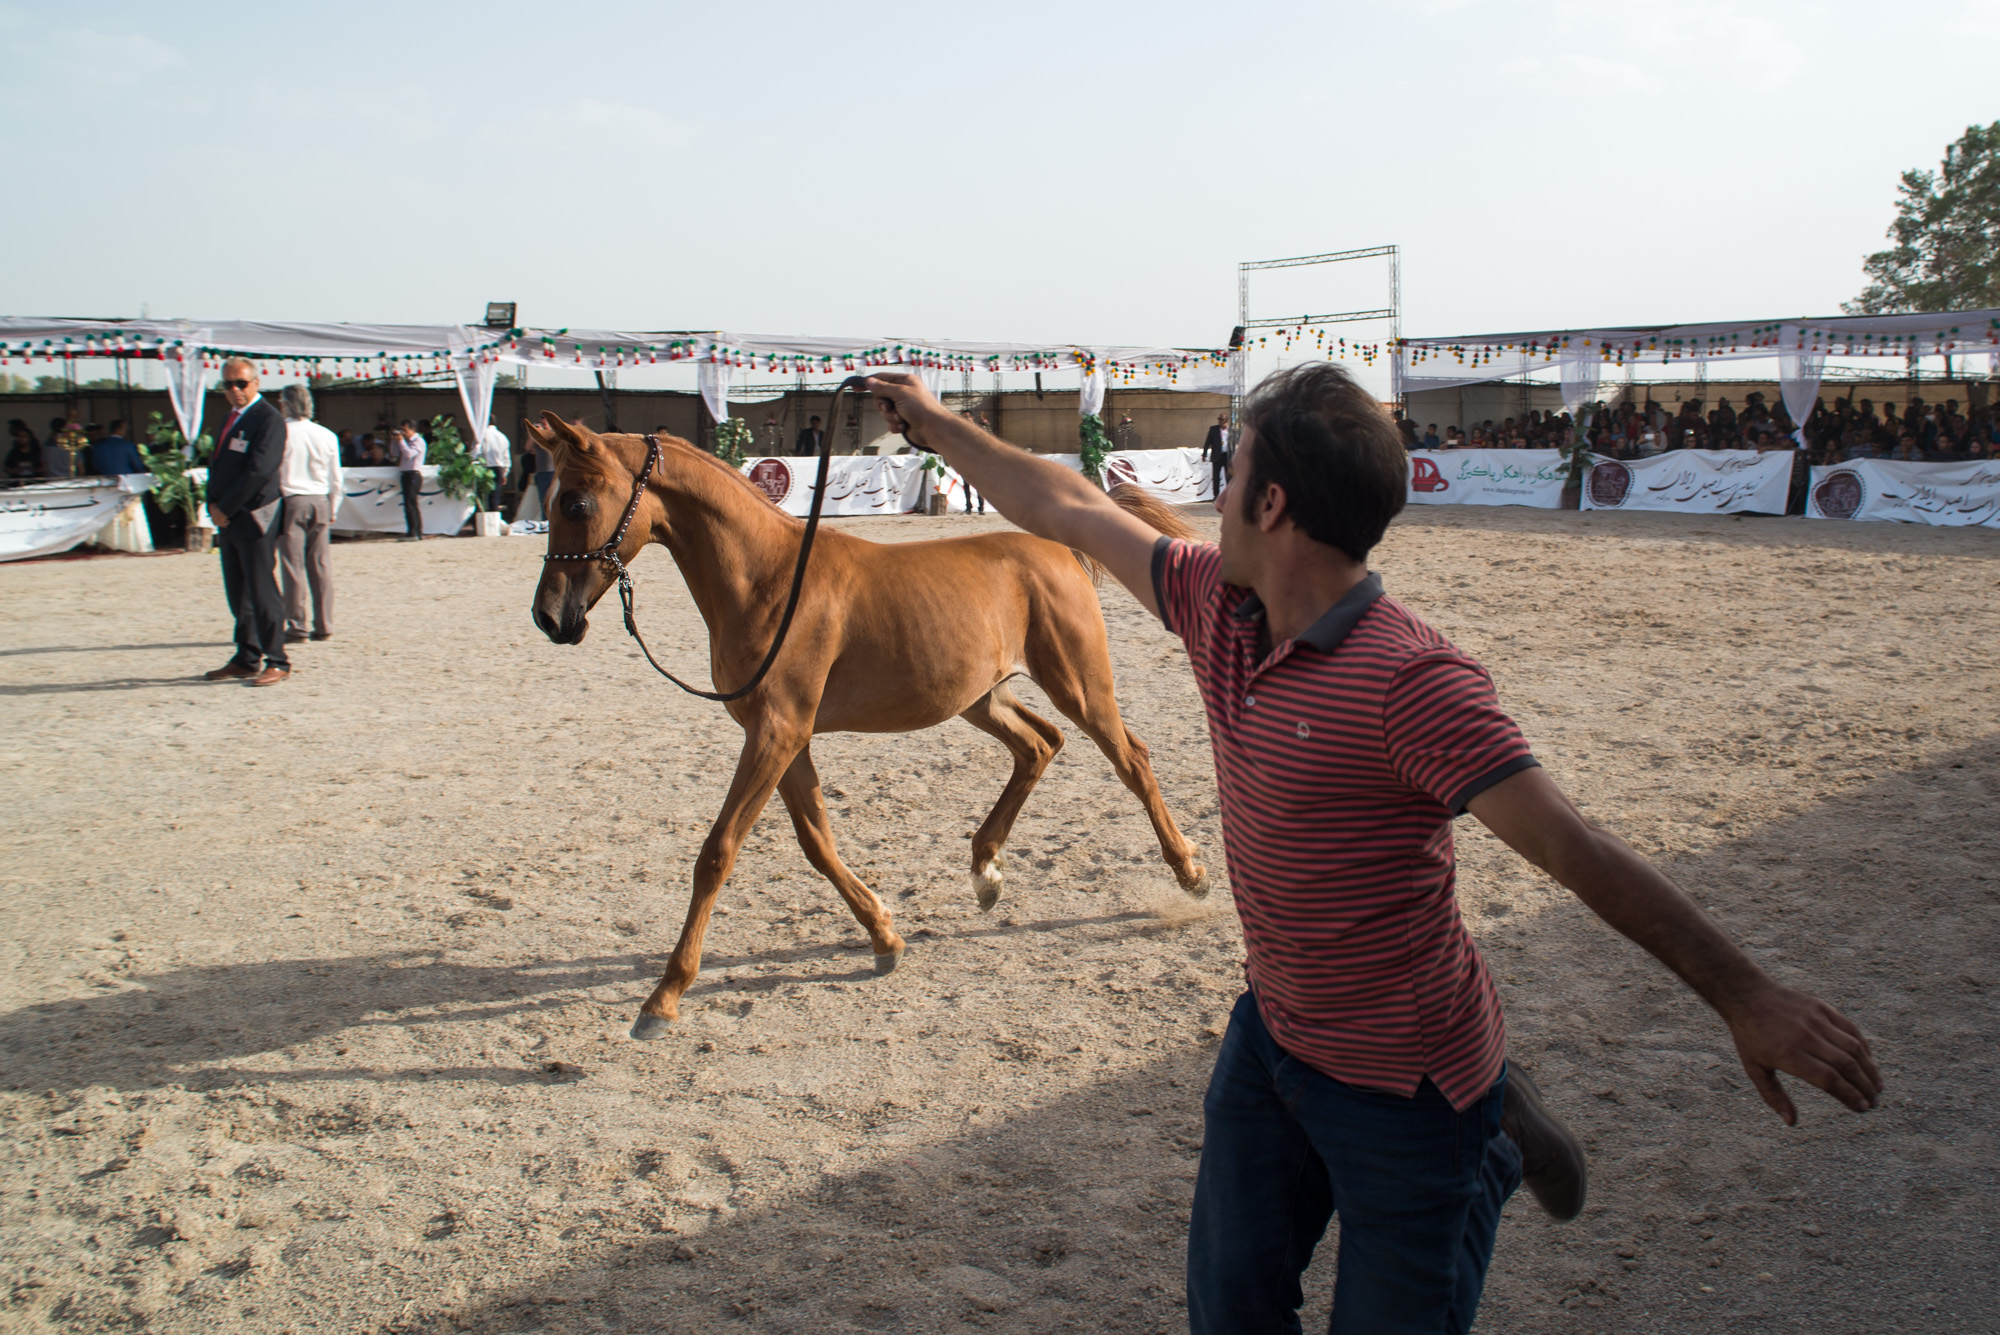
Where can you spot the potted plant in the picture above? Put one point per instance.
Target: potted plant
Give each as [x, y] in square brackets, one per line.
[1094, 447]
[733, 439]
[461, 476]
[169, 460]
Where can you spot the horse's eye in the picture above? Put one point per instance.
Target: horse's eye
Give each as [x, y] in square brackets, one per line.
[576, 506]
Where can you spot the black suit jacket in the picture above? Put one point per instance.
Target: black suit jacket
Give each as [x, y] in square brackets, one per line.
[808, 441]
[247, 478]
[1213, 448]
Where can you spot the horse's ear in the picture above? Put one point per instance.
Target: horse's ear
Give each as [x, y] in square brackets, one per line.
[543, 436]
[566, 436]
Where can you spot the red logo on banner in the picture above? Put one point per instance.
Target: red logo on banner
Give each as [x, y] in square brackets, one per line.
[1839, 495]
[1424, 476]
[1610, 483]
[773, 477]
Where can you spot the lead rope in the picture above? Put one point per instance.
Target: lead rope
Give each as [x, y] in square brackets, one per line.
[608, 553]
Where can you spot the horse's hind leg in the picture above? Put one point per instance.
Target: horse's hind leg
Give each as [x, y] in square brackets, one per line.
[1082, 691]
[1034, 741]
[801, 792]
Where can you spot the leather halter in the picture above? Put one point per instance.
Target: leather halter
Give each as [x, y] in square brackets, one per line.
[608, 553]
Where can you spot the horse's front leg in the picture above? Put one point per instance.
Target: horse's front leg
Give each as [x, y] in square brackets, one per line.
[767, 751]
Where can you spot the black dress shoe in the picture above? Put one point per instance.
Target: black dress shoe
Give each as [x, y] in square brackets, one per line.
[295, 637]
[322, 635]
[1552, 1162]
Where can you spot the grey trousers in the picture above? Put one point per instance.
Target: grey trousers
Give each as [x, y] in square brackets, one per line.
[304, 548]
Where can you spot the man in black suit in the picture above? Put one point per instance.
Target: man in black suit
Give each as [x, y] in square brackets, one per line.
[1216, 450]
[810, 437]
[244, 500]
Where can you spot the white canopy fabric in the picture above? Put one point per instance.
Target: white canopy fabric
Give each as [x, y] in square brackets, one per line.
[1446, 363]
[472, 354]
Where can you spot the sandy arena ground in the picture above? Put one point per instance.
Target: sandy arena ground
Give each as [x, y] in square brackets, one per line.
[315, 998]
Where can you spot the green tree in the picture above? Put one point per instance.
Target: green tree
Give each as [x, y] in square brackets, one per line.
[1947, 235]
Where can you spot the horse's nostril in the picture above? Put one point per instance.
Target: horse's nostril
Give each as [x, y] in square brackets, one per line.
[545, 623]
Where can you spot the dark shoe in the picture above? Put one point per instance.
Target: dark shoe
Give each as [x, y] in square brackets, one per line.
[228, 671]
[1552, 1162]
[295, 637]
[409, 537]
[322, 635]
[270, 676]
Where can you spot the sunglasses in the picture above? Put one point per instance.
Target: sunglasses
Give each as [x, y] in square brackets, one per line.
[237, 384]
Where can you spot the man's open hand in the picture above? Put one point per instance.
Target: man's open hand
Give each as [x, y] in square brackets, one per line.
[904, 403]
[1784, 1029]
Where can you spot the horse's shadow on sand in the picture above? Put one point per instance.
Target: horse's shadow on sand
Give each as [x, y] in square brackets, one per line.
[144, 1033]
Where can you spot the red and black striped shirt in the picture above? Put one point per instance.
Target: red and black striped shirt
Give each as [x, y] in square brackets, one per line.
[1342, 757]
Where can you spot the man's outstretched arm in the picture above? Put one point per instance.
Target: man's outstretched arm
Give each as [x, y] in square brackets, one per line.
[1776, 1028]
[1040, 495]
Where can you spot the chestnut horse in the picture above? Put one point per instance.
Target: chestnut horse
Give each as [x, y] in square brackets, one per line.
[887, 638]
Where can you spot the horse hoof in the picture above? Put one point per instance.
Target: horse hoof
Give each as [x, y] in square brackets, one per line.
[1195, 882]
[986, 885]
[887, 963]
[649, 1027]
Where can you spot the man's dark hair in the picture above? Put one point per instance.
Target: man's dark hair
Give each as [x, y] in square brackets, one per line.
[408, 425]
[812, 419]
[117, 426]
[1337, 456]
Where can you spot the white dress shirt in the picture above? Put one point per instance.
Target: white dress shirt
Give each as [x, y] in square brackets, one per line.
[312, 461]
[410, 453]
[494, 449]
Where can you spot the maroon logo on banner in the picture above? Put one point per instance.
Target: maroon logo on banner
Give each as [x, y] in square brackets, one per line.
[1610, 483]
[1424, 476]
[1839, 495]
[773, 477]
[1121, 470]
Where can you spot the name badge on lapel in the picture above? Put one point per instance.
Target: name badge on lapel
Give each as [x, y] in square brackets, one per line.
[240, 444]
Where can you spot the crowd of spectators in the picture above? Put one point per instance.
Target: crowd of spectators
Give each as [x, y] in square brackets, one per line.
[1851, 428]
[69, 450]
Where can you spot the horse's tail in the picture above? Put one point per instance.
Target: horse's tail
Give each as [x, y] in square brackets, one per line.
[1150, 510]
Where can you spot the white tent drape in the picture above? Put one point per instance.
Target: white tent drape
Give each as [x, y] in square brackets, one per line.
[476, 374]
[1798, 383]
[1091, 402]
[714, 378]
[1579, 382]
[186, 386]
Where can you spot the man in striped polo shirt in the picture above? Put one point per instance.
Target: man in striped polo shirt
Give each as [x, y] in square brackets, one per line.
[1364, 1072]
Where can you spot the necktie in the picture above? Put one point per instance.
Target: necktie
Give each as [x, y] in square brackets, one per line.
[226, 426]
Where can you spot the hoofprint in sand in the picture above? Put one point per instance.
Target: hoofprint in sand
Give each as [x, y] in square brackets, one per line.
[314, 997]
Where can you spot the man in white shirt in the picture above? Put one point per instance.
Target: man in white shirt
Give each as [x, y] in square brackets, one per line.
[410, 451]
[497, 454]
[310, 481]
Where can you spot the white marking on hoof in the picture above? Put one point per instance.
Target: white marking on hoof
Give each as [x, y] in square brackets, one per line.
[887, 963]
[649, 1027]
[986, 884]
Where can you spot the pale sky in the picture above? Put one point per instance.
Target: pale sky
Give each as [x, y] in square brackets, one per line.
[1028, 172]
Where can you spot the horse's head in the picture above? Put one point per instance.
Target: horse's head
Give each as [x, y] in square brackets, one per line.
[593, 485]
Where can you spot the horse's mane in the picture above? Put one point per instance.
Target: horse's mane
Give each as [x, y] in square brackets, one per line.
[733, 474]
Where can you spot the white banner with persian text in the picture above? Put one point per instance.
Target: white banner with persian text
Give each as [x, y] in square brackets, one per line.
[372, 502]
[894, 484]
[1703, 482]
[48, 517]
[856, 484]
[1953, 495]
[1486, 477]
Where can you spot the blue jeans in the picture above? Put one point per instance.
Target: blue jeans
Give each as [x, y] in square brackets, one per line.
[1418, 1188]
